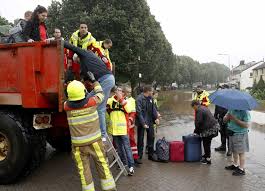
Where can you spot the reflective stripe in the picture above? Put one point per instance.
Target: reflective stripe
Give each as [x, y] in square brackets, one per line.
[134, 152]
[102, 160]
[107, 184]
[80, 166]
[89, 187]
[133, 147]
[120, 124]
[87, 138]
[83, 119]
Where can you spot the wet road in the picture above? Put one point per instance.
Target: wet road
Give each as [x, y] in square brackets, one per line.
[58, 171]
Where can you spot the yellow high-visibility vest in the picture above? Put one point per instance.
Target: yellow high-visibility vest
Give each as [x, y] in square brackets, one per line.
[104, 51]
[83, 43]
[203, 98]
[117, 124]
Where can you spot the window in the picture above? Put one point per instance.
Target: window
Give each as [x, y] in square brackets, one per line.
[251, 75]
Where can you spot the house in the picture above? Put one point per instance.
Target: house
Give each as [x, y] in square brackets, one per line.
[235, 74]
[259, 71]
[242, 75]
[246, 76]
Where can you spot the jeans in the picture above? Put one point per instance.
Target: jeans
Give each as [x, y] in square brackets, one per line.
[107, 82]
[150, 140]
[207, 146]
[124, 150]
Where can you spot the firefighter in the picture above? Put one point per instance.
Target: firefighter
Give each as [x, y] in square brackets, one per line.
[127, 94]
[85, 133]
[202, 96]
[117, 107]
[84, 39]
[104, 47]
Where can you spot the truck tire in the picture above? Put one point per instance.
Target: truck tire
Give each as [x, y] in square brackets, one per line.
[14, 151]
[26, 146]
[37, 145]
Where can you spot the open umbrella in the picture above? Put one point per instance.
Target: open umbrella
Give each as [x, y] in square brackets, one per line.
[233, 99]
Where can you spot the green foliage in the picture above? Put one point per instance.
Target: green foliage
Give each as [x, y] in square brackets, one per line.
[261, 84]
[4, 21]
[258, 90]
[135, 34]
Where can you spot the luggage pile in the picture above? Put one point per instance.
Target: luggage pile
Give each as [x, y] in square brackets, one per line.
[189, 149]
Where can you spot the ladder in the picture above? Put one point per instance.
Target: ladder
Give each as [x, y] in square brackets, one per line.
[117, 160]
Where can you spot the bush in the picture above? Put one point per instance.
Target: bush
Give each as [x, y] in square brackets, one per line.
[258, 94]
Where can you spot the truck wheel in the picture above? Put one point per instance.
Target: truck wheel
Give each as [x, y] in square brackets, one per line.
[37, 145]
[13, 149]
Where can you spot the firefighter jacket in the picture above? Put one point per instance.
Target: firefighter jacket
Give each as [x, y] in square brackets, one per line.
[83, 119]
[203, 98]
[117, 113]
[105, 53]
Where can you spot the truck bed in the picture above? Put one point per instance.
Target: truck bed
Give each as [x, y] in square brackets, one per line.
[32, 75]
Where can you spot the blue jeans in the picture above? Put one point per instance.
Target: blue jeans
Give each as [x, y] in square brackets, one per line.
[107, 82]
[124, 150]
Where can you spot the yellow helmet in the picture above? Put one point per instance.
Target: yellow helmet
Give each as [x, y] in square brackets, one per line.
[76, 91]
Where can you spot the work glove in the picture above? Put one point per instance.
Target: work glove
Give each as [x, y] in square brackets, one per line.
[90, 77]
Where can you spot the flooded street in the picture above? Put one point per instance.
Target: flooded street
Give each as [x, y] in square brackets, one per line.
[58, 171]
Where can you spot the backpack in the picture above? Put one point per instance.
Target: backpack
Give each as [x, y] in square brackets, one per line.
[162, 150]
[16, 32]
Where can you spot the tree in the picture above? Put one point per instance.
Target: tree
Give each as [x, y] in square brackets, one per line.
[261, 84]
[4, 21]
[134, 31]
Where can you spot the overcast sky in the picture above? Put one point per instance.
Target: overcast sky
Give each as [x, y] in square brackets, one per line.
[201, 29]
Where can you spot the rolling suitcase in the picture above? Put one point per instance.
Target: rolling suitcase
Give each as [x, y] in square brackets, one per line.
[176, 151]
[192, 148]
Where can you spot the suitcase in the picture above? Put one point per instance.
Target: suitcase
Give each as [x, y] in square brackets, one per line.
[176, 151]
[192, 148]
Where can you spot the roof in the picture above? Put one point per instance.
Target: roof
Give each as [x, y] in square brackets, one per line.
[260, 67]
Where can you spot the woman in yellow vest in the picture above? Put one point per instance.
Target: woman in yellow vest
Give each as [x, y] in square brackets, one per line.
[104, 48]
[202, 96]
[85, 134]
[117, 108]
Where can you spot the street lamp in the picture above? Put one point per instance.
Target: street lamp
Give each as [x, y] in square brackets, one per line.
[139, 74]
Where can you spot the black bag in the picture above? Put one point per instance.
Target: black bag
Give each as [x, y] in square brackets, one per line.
[162, 150]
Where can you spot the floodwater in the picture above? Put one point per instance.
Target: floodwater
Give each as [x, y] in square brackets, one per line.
[176, 106]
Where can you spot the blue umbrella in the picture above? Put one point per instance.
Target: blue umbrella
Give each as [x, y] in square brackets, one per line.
[233, 99]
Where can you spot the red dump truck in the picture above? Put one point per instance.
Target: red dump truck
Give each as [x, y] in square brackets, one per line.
[31, 106]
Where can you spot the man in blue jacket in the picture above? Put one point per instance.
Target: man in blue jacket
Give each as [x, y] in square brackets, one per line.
[145, 118]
